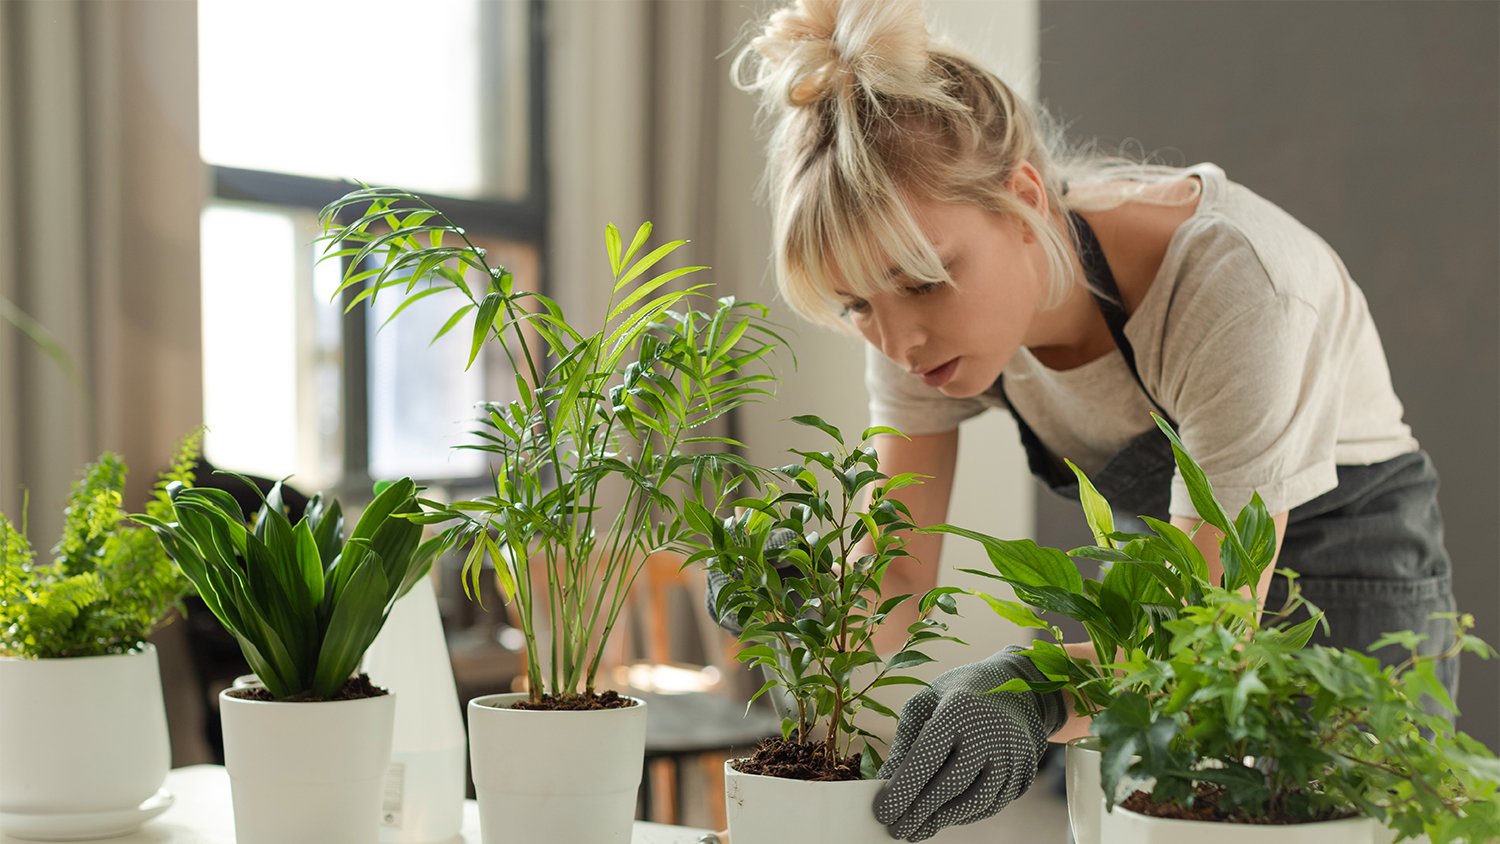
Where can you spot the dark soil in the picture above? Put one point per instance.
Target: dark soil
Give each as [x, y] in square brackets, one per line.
[776, 757]
[356, 688]
[1206, 808]
[576, 703]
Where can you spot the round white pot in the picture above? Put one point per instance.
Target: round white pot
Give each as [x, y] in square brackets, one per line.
[555, 776]
[81, 734]
[1081, 760]
[773, 810]
[1123, 826]
[307, 771]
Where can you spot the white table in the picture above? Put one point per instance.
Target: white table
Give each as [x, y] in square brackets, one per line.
[202, 814]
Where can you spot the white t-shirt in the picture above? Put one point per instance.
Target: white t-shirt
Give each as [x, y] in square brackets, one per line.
[1252, 337]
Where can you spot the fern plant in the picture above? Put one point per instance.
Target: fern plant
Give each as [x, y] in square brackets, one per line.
[303, 602]
[612, 407]
[109, 585]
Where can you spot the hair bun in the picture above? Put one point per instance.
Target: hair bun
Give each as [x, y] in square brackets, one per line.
[813, 49]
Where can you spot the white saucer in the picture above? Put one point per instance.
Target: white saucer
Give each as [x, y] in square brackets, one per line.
[83, 826]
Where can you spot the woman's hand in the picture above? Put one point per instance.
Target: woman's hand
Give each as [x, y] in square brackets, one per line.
[962, 753]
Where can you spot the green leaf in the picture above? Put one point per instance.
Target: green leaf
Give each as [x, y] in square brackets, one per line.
[1100, 517]
[485, 319]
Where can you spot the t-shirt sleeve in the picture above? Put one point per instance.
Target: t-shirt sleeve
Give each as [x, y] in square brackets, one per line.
[1255, 404]
[900, 400]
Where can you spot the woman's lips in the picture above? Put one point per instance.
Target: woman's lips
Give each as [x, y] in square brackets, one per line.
[941, 375]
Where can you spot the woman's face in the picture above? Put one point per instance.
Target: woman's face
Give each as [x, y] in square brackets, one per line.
[958, 337]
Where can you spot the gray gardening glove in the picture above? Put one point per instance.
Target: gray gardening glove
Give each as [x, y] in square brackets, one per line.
[961, 755]
[778, 538]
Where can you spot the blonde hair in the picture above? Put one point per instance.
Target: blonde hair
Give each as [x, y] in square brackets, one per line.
[868, 113]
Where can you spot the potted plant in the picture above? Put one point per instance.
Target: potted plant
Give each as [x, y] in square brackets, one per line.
[588, 462]
[78, 680]
[307, 746]
[1203, 709]
[808, 606]
[1150, 580]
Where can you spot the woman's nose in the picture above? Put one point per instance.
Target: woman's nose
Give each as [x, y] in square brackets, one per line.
[900, 334]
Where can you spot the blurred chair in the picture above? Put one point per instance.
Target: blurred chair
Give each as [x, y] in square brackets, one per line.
[684, 667]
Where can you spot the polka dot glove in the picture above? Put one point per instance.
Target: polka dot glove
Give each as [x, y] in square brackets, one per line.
[717, 580]
[961, 755]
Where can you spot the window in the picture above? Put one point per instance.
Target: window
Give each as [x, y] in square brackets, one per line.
[448, 106]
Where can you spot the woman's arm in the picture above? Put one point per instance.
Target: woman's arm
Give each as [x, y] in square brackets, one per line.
[935, 455]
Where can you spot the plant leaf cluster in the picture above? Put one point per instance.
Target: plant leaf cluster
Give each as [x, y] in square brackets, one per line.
[1300, 733]
[598, 414]
[1191, 686]
[1150, 580]
[810, 610]
[109, 584]
[303, 602]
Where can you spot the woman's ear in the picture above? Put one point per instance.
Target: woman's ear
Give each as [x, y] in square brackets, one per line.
[1026, 184]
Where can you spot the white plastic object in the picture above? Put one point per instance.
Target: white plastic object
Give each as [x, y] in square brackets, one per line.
[424, 786]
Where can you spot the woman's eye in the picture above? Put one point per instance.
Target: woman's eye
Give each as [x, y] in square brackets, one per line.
[924, 289]
[855, 308]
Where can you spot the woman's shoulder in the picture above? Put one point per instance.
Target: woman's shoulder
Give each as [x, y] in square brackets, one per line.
[1237, 234]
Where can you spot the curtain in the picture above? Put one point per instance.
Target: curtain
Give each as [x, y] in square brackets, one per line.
[100, 192]
[101, 187]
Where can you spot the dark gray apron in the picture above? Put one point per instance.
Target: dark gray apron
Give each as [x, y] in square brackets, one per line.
[1369, 552]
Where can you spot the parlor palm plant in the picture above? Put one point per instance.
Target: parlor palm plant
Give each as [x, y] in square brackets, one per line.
[622, 401]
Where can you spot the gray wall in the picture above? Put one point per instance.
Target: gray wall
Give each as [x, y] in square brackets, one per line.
[1377, 124]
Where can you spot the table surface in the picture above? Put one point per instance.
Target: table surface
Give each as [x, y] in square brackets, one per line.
[202, 814]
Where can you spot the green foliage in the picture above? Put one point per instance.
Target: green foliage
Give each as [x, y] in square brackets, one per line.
[1299, 733]
[109, 585]
[598, 415]
[303, 603]
[1151, 579]
[810, 610]
[1191, 686]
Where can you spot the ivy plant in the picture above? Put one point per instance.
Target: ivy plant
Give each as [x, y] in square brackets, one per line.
[109, 584]
[809, 608]
[1254, 726]
[1150, 580]
[607, 432]
[303, 602]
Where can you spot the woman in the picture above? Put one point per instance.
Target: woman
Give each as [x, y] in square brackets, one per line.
[919, 202]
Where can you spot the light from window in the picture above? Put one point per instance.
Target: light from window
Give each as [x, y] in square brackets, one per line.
[433, 101]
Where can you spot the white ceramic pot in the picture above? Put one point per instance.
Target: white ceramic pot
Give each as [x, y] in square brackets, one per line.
[555, 776]
[1123, 826]
[1081, 760]
[81, 735]
[773, 810]
[307, 771]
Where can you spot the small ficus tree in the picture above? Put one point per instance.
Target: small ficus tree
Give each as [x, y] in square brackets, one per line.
[809, 608]
[615, 406]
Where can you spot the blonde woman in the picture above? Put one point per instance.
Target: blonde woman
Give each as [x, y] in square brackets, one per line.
[919, 202]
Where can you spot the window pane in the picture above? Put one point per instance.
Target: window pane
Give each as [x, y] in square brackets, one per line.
[447, 114]
[421, 399]
[250, 340]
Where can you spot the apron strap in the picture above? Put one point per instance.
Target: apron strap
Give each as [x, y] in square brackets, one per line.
[1111, 303]
[1106, 293]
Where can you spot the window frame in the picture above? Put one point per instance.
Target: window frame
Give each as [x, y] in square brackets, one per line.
[524, 220]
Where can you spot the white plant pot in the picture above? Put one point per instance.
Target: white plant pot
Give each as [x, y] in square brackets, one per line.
[773, 810]
[555, 776]
[1081, 760]
[1123, 826]
[81, 735]
[308, 771]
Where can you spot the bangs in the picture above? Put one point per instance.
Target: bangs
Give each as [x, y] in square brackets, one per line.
[837, 237]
